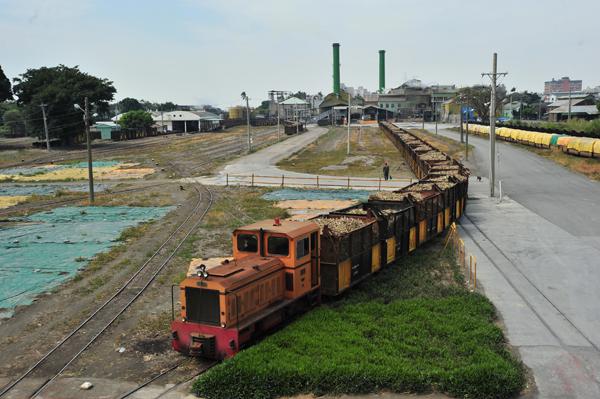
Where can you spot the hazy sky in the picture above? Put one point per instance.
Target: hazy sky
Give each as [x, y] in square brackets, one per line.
[196, 52]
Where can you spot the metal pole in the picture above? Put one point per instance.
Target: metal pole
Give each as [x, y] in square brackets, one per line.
[461, 125]
[278, 128]
[45, 126]
[162, 122]
[348, 141]
[89, 149]
[436, 118]
[493, 125]
[467, 136]
[248, 124]
[423, 118]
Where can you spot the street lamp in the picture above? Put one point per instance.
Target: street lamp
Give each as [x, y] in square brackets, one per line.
[245, 97]
[86, 119]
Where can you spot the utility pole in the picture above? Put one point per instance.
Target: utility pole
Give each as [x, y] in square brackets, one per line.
[43, 106]
[467, 134]
[278, 128]
[540, 110]
[423, 118]
[569, 116]
[86, 115]
[461, 123]
[162, 121]
[348, 141]
[494, 77]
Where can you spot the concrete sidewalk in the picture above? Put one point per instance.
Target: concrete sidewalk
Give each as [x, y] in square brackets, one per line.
[541, 281]
[264, 163]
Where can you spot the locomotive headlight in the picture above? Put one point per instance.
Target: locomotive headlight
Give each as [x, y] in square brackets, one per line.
[223, 325]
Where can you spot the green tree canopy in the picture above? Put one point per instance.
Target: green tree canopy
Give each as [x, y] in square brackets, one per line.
[13, 120]
[60, 88]
[129, 104]
[138, 120]
[478, 97]
[5, 90]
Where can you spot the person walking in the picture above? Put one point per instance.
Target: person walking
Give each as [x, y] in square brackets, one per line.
[386, 171]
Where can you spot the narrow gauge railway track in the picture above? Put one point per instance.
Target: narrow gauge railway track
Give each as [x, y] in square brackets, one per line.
[120, 147]
[211, 154]
[27, 207]
[163, 373]
[74, 344]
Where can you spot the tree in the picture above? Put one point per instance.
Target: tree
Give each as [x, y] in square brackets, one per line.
[13, 119]
[5, 90]
[60, 88]
[136, 120]
[129, 104]
[478, 97]
[299, 94]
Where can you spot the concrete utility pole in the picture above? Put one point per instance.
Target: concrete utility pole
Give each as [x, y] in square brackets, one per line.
[43, 106]
[461, 123]
[348, 141]
[467, 135]
[569, 116]
[494, 77]
[278, 128]
[86, 114]
[540, 110]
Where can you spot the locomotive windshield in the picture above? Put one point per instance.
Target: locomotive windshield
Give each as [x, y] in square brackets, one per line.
[202, 306]
[278, 246]
[247, 243]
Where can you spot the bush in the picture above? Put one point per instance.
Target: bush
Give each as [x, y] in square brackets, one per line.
[406, 330]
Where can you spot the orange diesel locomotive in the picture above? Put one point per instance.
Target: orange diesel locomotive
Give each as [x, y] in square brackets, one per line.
[274, 273]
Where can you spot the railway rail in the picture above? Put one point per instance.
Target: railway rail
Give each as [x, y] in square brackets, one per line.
[120, 147]
[211, 153]
[162, 374]
[75, 343]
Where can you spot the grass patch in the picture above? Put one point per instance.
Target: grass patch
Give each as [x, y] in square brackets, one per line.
[413, 327]
[240, 206]
[369, 149]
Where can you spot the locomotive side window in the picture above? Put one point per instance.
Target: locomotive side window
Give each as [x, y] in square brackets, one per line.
[302, 248]
[278, 246]
[247, 243]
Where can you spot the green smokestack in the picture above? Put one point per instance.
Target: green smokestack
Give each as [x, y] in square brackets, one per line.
[336, 69]
[381, 71]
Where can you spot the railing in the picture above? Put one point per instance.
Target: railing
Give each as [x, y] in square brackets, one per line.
[317, 181]
[469, 269]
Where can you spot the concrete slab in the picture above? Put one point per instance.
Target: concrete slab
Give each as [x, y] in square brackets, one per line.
[543, 281]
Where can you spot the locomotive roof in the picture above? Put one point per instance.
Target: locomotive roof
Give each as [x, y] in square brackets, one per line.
[292, 228]
[237, 272]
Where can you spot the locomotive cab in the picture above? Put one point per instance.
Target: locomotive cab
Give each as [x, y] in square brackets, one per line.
[274, 272]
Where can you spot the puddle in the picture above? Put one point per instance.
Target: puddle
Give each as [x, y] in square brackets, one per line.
[47, 248]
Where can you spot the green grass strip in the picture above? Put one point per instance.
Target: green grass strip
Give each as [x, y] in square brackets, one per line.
[411, 328]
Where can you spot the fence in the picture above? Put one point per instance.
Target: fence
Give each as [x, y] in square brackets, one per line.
[317, 181]
[469, 268]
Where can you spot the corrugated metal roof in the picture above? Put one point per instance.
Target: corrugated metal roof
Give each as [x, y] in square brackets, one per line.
[576, 109]
[293, 101]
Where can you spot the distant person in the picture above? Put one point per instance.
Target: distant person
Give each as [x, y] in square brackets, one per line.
[386, 171]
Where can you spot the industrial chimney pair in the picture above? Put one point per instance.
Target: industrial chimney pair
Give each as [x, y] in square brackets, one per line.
[336, 69]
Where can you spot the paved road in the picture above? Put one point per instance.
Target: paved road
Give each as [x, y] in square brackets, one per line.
[539, 261]
[263, 163]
